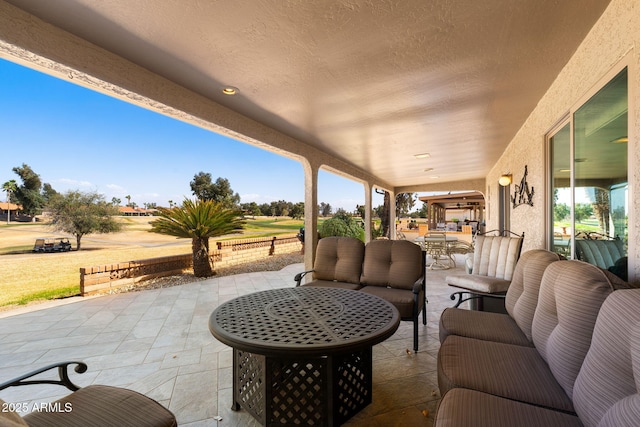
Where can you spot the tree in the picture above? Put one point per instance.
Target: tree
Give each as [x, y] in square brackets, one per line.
[422, 212]
[602, 206]
[220, 191]
[404, 203]
[297, 210]
[48, 192]
[128, 197]
[9, 187]
[79, 213]
[383, 212]
[115, 201]
[265, 209]
[325, 209]
[199, 220]
[561, 211]
[251, 208]
[28, 194]
[582, 211]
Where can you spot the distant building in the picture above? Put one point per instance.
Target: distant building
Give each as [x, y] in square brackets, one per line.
[9, 208]
[129, 211]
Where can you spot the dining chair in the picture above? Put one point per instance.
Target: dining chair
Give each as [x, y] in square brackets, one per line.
[435, 246]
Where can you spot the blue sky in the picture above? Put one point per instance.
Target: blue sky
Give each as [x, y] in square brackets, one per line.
[77, 139]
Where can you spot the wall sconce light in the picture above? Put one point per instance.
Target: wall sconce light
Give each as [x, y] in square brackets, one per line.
[505, 180]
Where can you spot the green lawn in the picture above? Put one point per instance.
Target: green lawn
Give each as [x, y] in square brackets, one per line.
[30, 277]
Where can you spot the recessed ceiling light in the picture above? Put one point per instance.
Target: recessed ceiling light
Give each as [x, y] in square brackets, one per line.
[564, 170]
[422, 155]
[434, 177]
[230, 90]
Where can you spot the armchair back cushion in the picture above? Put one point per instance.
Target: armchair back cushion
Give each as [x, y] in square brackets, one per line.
[392, 263]
[606, 390]
[522, 296]
[339, 259]
[571, 294]
[496, 256]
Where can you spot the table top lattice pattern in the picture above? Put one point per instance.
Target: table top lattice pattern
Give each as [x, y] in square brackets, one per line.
[306, 319]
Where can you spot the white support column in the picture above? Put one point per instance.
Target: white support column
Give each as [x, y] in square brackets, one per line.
[368, 188]
[392, 215]
[310, 212]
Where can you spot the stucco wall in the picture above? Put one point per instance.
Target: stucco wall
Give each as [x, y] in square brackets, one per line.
[610, 44]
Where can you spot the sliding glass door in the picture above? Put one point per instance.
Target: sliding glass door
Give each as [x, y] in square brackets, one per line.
[589, 182]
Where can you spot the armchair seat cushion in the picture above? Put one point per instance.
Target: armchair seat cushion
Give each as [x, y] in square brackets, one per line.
[333, 284]
[100, 405]
[10, 418]
[482, 325]
[478, 283]
[402, 299]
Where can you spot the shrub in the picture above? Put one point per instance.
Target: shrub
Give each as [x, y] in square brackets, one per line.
[341, 225]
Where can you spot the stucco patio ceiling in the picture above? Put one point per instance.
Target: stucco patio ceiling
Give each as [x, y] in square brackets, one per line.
[371, 82]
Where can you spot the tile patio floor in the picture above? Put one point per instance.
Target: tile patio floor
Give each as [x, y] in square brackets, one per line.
[157, 342]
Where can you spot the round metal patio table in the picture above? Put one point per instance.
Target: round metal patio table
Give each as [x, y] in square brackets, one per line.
[303, 354]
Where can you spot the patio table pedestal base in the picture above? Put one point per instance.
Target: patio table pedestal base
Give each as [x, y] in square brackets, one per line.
[322, 391]
[302, 356]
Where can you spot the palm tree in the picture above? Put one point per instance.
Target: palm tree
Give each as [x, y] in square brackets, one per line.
[9, 187]
[199, 221]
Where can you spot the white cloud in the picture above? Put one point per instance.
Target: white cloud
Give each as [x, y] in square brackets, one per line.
[258, 198]
[115, 188]
[74, 183]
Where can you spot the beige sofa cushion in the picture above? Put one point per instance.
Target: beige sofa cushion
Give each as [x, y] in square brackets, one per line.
[510, 371]
[522, 298]
[468, 408]
[607, 387]
[481, 325]
[392, 263]
[521, 301]
[339, 259]
[571, 294]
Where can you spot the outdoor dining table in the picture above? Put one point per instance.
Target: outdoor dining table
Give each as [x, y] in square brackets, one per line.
[302, 355]
[449, 239]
